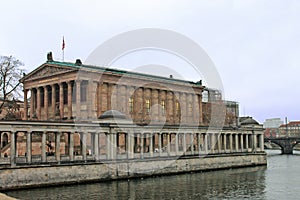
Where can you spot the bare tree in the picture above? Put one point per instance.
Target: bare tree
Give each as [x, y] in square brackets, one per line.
[10, 74]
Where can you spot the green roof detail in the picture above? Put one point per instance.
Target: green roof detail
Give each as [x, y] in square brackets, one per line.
[121, 72]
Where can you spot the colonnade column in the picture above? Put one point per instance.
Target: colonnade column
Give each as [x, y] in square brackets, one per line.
[46, 102]
[230, 142]
[108, 144]
[71, 145]
[242, 142]
[142, 145]
[236, 142]
[213, 143]
[192, 142]
[38, 103]
[25, 105]
[159, 143]
[13, 148]
[130, 145]
[176, 144]
[247, 142]
[168, 144]
[151, 144]
[57, 146]
[225, 142]
[261, 142]
[184, 143]
[254, 142]
[28, 147]
[199, 142]
[96, 145]
[69, 100]
[61, 100]
[44, 146]
[206, 143]
[83, 142]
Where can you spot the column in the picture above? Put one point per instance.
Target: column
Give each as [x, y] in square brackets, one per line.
[13, 148]
[96, 145]
[108, 144]
[159, 143]
[192, 142]
[247, 142]
[38, 103]
[242, 142]
[254, 142]
[69, 99]
[200, 109]
[46, 102]
[31, 103]
[130, 145]
[78, 100]
[168, 144]
[176, 144]
[236, 142]
[151, 144]
[199, 142]
[61, 100]
[219, 141]
[57, 146]
[224, 142]
[83, 149]
[44, 146]
[261, 142]
[25, 105]
[184, 143]
[142, 145]
[28, 147]
[230, 142]
[213, 143]
[206, 144]
[53, 101]
[71, 145]
[114, 145]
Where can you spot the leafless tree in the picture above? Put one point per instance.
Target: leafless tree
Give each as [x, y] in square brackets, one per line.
[10, 73]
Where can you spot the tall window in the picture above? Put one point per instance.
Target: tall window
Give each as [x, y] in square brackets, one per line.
[148, 105]
[130, 104]
[190, 109]
[163, 107]
[83, 91]
[177, 108]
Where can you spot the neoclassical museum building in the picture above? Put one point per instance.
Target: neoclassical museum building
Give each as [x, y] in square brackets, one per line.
[64, 91]
[69, 106]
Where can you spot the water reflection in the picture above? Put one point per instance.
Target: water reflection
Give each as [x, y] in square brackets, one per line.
[225, 184]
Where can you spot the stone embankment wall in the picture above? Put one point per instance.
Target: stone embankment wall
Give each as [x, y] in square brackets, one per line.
[45, 175]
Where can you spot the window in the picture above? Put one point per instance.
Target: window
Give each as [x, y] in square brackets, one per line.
[163, 107]
[177, 108]
[190, 109]
[148, 105]
[83, 91]
[130, 104]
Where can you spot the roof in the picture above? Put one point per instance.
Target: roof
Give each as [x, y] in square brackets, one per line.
[113, 71]
[290, 124]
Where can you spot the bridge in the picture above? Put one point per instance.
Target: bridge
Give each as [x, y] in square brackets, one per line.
[286, 143]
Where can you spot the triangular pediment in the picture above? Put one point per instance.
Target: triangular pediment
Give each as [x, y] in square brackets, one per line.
[47, 71]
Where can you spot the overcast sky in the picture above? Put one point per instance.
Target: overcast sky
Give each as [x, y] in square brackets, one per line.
[255, 45]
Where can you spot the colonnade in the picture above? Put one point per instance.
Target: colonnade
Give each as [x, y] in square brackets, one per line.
[117, 144]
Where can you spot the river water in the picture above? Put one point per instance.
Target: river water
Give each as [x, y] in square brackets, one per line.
[279, 180]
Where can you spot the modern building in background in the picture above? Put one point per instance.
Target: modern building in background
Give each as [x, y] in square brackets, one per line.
[271, 127]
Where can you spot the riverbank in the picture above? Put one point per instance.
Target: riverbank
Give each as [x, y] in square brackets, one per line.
[63, 174]
[5, 197]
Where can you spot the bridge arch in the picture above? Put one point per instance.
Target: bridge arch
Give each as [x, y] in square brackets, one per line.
[286, 144]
